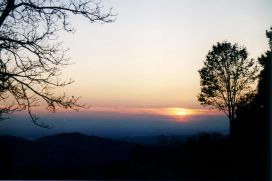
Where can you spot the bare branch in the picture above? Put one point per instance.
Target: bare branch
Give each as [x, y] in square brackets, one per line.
[31, 58]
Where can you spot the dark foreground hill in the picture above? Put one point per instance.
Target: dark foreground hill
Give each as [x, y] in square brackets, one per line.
[58, 156]
[76, 156]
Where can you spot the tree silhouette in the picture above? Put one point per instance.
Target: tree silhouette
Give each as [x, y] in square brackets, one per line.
[253, 122]
[31, 58]
[269, 36]
[227, 76]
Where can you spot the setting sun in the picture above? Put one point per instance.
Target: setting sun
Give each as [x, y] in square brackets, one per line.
[178, 111]
[181, 112]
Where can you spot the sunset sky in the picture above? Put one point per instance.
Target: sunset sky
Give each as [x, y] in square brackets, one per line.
[147, 60]
[150, 55]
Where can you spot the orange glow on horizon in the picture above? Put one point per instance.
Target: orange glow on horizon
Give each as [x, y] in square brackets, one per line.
[174, 113]
[179, 114]
[179, 111]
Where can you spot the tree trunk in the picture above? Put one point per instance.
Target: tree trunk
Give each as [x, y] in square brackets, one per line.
[232, 131]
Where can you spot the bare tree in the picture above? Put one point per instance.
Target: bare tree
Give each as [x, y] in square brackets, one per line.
[31, 58]
[227, 77]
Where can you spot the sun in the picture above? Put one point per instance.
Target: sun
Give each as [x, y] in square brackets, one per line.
[178, 111]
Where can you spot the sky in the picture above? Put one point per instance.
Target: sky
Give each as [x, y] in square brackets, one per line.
[119, 123]
[149, 57]
[132, 71]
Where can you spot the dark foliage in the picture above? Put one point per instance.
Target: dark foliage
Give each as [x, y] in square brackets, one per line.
[251, 134]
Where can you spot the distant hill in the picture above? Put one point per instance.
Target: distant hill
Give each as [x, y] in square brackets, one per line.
[154, 140]
[81, 150]
[21, 158]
